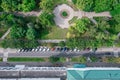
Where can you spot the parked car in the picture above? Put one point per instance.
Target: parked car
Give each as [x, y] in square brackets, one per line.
[19, 50]
[33, 49]
[52, 49]
[75, 50]
[48, 49]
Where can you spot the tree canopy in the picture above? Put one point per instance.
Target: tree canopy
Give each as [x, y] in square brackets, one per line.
[17, 32]
[86, 5]
[47, 5]
[80, 26]
[46, 19]
[9, 5]
[27, 5]
[31, 34]
[102, 5]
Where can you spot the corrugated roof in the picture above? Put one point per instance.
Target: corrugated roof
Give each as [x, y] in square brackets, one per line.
[30, 79]
[93, 74]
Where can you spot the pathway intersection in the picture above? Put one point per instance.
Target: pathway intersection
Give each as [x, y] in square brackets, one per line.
[64, 22]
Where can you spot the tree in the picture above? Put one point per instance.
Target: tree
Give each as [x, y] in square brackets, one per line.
[54, 59]
[62, 44]
[0, 6]
[116, 10]
[46, 19]
[9, 5]
[31, 43]
[80, 26]
[27, 5]
[17, 32]
[47, 5]
[86, 5]
[31, 34]
[102, 5]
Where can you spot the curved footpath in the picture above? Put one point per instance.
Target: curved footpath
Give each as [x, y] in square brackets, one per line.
[64, 22]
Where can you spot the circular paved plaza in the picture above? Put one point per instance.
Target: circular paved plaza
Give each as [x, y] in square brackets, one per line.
[60, 19]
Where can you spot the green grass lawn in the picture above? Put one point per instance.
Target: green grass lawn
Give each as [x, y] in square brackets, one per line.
[55, 33]
[20, 59]
[79, 59]
[26, 59]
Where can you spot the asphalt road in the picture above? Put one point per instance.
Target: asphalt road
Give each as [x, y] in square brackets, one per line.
[59, 54]
[45, 54]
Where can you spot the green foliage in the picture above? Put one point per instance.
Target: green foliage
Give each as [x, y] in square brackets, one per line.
[0, 6]
[6, 20]
[9, 5]
[79, 59]
[102, 5]
[26, 59]
[54, 59]
[64, 13]
[27, 5]
[46, 19]
[86, 5]
[57, 59]
[47, 5]
[62, 43]
[31, 44]
[17, 32]
[18, 43]
[116, 7]
[31, 34]
[80, 26]
[87, 42]
[94, 59]
[116, 10]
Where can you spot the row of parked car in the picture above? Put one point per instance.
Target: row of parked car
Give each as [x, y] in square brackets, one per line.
[40, 48]
[46, 49]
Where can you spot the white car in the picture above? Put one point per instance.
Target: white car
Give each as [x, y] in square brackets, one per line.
[44, 50]
[36, 49]
[78, 50]
[33, 49]
[75, 50]
[18, 50]
[48, 49]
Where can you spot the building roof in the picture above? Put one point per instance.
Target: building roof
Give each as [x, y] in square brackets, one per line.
[93, 73]
[30, 79]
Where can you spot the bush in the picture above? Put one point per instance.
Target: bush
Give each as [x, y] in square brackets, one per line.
[62, 44]
[64, 13]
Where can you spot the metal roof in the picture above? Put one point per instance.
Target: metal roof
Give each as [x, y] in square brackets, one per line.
[31, 79]
[93, 73]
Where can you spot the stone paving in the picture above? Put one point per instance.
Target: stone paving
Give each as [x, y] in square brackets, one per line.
[64, 22]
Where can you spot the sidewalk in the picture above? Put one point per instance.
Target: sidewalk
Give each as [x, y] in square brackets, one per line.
[110, 49]
[9, 50]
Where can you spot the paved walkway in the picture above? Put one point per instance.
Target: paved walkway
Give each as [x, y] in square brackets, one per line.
[24, 14]
[64, 22]
[32, 13]
[51, 41]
